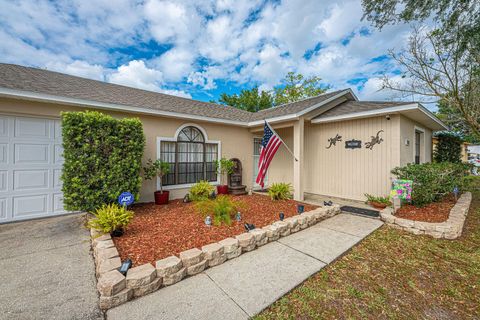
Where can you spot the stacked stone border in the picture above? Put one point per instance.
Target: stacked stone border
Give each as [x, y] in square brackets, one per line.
[450, 229]
[116, 289]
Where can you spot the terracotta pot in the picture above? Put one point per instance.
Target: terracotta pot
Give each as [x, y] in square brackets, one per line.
[222, 189]
[377, 205]
[161, 198]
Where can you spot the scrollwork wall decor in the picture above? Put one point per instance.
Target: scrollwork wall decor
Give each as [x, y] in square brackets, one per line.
[374, 140]
[333, 141]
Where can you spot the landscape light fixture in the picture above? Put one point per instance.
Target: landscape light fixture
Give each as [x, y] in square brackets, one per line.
[281, 216]
[238, 216]
[125, 266]
[208, 221]
[300, 208]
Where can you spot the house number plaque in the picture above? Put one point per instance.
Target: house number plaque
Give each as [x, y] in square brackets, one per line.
[353, 144]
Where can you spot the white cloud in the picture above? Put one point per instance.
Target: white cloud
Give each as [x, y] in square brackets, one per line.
[79, 68]
[137, 74]
[245, 43]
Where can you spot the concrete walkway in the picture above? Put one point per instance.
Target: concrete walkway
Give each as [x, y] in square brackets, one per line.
[47, 271]
[243, 287]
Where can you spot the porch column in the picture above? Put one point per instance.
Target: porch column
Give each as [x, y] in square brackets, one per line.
[298, 137]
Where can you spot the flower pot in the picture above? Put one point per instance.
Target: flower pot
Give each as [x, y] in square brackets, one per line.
[161, 198]
[377, 205]
[117, 232]
[222, 189]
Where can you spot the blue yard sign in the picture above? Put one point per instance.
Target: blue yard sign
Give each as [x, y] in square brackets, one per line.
[126, 199]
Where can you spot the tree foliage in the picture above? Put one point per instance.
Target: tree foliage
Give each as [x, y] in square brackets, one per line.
[293, 88]
[455, 121]
[449, 148]
[102, 159]
[296, 87]
[250, 100]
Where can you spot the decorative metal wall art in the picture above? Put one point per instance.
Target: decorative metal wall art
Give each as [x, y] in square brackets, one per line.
[375, 140]
[333, 141]
[353, 144]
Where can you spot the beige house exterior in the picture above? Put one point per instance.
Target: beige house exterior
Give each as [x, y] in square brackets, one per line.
[31, 101]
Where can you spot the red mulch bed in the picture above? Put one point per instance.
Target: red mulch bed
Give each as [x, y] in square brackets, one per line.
[433, 212]
[159, 231]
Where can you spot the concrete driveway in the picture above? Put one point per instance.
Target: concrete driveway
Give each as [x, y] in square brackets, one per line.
[47, 270]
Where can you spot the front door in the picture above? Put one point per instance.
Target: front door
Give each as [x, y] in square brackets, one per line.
[257, 144]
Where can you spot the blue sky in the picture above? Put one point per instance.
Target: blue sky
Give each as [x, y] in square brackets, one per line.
[200, 49]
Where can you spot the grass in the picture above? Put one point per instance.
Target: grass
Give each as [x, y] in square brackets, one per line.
[395, 275]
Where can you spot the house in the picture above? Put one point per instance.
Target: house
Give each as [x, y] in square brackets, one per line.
[345, 147]
[464, 148]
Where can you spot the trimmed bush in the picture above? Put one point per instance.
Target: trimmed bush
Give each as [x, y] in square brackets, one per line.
[280, 191]
[102, 159]
[432, 181]
[201, 191]
[448, 149]
[110, 217]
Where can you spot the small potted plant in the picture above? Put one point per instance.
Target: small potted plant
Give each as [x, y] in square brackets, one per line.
[377, 202]
[224, 167]
[157, 168]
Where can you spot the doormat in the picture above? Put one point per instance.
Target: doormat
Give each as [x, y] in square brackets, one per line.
[361, 211]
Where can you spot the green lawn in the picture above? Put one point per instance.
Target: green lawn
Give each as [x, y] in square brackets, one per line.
[394, 275]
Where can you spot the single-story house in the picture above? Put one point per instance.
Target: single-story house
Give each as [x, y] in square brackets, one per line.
[345, 147]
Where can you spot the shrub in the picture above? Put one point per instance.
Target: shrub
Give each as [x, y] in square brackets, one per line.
[280, 191]
[156, 168]
[382, 200]
[222, 208]
[102, 159]
[448, 149]
[110, 217]
[201, 191]
[432, 181]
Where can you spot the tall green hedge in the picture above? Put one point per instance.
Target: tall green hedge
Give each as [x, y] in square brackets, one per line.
[449, 148]
[102, 158]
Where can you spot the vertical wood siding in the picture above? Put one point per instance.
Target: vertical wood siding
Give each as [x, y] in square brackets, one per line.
[349, 173]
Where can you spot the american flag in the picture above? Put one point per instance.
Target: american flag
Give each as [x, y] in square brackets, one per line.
[270, 144]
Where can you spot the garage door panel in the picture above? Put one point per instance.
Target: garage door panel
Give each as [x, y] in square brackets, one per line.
[35, 128]
[26, 153]
[57, 129]
[57, 179]
[3, 208]
[3, 153]
[30, 179]
[3, 126]
[3, 180]
[58, 154]
[24, 206]
[58, 203]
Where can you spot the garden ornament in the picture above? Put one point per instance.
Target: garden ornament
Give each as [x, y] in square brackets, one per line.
[333, 141]
[375, 140]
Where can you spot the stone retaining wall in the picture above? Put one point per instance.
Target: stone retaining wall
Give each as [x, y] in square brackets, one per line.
[450, 229]
[116, 289]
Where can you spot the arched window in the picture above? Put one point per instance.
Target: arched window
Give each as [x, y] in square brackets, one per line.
[191, 158]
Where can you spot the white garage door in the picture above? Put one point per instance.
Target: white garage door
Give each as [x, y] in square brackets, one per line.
[30, 168]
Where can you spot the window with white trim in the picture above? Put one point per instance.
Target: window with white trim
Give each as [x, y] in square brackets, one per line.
[191, 158]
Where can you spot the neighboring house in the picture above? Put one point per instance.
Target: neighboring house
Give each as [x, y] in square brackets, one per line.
[464, 150]
[191, 134]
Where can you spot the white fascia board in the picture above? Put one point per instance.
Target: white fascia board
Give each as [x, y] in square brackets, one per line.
[297, 115]
[383, 111]
[33, 96]
[364, 114]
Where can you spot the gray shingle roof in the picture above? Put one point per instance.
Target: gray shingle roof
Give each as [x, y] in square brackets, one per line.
[292, 108]
[350, 107]
[59, 84]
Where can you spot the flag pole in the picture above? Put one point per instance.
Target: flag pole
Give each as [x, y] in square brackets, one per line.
[288, 149]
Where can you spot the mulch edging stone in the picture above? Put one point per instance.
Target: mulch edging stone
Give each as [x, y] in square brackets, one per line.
[450, 229]
[116, 289]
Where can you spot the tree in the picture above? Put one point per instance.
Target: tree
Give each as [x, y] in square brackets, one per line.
[435, 68]
[250, 100]
[297, 87]
[448, 149]
[461, 15]
[454, 120]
